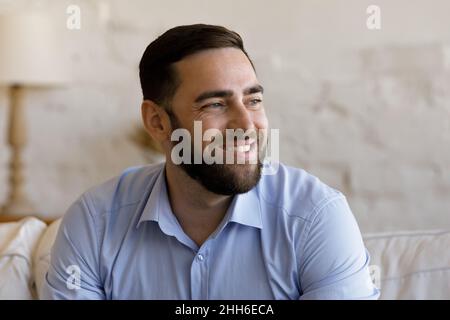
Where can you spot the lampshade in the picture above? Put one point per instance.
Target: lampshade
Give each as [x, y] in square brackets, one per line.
[30, 53]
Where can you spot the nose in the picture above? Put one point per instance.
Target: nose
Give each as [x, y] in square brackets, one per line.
[240, 118]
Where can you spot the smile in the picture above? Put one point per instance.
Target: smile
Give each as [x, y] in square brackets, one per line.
[242, 146]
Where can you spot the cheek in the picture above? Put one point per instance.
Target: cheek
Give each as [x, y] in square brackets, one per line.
[215, 125]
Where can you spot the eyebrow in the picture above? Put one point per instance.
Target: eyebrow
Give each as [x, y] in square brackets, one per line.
[227, 93]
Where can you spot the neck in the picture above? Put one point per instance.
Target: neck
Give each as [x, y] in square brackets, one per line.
[198, 210]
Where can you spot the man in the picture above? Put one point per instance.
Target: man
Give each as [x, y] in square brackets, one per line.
[200, 230]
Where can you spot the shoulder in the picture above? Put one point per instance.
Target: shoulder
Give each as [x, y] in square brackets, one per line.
[126, 189]
[298, 193]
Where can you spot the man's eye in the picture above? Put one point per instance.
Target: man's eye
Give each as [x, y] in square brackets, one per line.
[214, 105]
[254, 102]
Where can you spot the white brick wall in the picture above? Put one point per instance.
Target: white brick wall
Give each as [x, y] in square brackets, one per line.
[368, 112]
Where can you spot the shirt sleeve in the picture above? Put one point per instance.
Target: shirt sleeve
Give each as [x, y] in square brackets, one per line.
[74, 265]
[335, 263]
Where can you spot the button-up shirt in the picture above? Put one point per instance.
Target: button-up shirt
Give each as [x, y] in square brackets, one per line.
[290, 237]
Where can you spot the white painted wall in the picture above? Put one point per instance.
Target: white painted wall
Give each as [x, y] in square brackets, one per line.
[366, 111]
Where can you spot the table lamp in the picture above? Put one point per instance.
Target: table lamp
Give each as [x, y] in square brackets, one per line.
[30, 57]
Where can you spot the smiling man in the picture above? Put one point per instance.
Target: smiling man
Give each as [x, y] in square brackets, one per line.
[200, 230]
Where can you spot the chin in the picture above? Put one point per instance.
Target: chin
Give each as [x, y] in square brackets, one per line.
[225, 179]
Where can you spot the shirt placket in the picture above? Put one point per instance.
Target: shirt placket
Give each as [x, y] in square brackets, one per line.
[199, 273]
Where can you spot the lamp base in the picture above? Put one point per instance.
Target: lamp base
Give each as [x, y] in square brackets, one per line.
[17, 202]
[19, 208]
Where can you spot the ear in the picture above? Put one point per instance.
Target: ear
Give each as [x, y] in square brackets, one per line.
[156, 121]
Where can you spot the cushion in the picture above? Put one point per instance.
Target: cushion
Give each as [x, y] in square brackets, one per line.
[41, 259]
[412, 265]
[18, 240]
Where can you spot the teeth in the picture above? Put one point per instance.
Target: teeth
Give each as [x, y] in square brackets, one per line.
[244, 148]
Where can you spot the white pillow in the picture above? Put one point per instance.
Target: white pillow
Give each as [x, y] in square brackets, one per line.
[18, 241]
[41, 259]
[413, 265]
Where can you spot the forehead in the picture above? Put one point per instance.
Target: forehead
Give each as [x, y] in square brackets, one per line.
[213, 69]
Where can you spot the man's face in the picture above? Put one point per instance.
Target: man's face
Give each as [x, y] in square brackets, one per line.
[219, 88]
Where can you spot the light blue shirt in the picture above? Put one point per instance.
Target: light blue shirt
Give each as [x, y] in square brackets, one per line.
[290, 237]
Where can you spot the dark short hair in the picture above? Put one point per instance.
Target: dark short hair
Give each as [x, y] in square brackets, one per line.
[159, 80]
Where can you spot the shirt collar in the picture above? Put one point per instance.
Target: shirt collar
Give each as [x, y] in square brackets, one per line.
[158, 207]
[244, 209]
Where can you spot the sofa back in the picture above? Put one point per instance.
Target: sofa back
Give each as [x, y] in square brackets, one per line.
[407, 265]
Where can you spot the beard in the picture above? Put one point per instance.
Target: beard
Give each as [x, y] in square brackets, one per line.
[223, 179]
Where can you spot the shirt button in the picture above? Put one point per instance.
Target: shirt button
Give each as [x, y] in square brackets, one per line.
[200, 257]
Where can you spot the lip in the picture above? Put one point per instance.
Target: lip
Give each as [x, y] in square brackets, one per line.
[243, 151]
[244, 142]
[241, 146]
